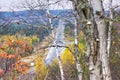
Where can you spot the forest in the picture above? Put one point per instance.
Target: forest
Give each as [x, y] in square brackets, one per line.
[59, 40]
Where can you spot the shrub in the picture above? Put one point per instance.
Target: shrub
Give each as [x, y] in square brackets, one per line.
[41, 69]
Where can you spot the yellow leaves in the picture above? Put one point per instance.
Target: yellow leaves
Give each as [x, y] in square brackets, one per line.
[35, 39]
[41, 69]
[82, 48]
[81, 34]
[67, 57]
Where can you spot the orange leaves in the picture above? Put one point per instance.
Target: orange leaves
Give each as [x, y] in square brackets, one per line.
[19, 58]
[21, 42]
[13, 48]
[1, 72]
[9, 42]
[22, 69]
[3, 55]
[21, 66]
[18, 45]
[23, 63]
[16, 65]
[11, 56]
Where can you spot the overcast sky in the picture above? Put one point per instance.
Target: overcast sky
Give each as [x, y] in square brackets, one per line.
[16, 5]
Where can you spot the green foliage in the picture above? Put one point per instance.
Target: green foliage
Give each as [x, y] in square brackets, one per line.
[118, 18]
[10, 51]
[107, 22]
[35, 39]
[27, 30]
[69, 33]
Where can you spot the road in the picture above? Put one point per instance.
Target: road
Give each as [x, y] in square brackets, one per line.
[59, 40]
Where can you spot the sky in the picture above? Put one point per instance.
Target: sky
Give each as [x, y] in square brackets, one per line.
[16, 5]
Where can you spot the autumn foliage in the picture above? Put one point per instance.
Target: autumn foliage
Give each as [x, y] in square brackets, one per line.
[1, 72]
[41, 69]
[67, 57]
[12, 49]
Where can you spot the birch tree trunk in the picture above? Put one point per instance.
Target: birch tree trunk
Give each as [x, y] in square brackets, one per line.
[78, 65]
[50, 19]
[91, 34]
[60, 65]
[93, 51]
[101, 26]
[110, 28]
[53, 35]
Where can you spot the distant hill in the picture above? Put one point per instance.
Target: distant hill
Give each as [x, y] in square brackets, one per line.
[29, 21]
[33, 16]
[28, 13]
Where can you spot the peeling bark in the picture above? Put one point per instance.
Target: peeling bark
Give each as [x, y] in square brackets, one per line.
[100, 21]
[91, 34]
[93, 51]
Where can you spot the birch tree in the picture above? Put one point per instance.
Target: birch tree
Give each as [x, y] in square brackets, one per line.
[110, 28]
[101, 26]
[53, 35]
[76, 51]
[89, 28]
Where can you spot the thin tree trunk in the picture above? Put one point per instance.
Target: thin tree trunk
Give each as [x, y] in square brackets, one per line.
[60, 65]
[50, 19]
[99, 18]
[58, 55]
[110, 28]
[78, 65]
[53, 35]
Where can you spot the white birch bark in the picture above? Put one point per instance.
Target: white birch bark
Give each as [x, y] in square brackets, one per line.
[99, 18]
[110, 28]
[59, 38]
[78, 65]
[88, 29]
[94, 58]
[53, 35]
[50, 19]
[60, 65]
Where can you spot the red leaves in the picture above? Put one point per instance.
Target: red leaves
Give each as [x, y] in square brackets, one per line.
[4, 55]
[1, 72]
